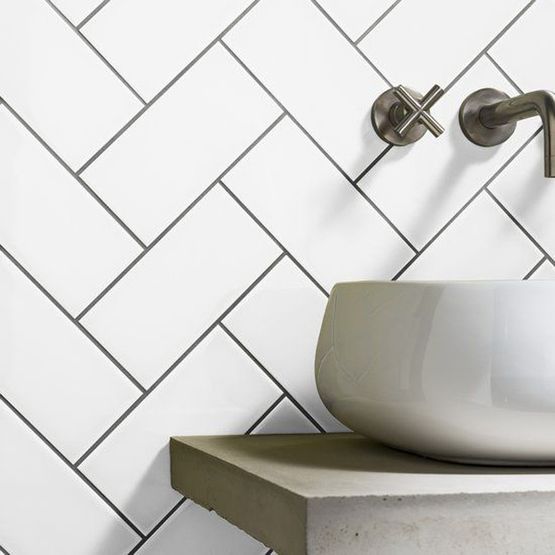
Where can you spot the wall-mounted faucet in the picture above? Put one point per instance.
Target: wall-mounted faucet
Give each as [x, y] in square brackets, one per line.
[400, 116]
[488, 117]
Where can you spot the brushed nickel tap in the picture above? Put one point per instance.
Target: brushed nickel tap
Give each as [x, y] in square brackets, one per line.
[401, 116]
[488, 117]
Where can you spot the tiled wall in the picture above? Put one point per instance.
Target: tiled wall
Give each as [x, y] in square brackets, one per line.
[181, 183]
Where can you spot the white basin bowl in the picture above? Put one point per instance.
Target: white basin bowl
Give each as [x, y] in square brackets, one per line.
[463, 371]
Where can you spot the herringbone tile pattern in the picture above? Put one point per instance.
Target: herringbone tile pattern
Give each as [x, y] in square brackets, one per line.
[181, 184]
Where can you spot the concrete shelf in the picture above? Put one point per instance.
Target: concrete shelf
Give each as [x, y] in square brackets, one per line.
[340, 494]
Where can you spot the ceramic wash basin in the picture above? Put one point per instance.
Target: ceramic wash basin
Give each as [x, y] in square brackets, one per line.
[463, 371]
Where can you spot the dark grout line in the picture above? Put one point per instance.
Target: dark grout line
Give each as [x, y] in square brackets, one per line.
[95, 50]
[265, 414]
[143, 537]
[373, 163]
[375, 68]
[271, 377]
[535, 267]
[68, 463]
[111, 357]
[489, 45]
[385, 217]
[146, 105]
[66, 167]
[110, 66]
[147, 249]
[92, 14]
[377, 22]
[164, 89]
[166, 230]
[465, 205]
[350, 41]
[407, 266]
[157, 527]
[319, 147]
[274, 239]
[166, 517]
[177, 362]
[4, 551]
[532, 239]
[61, 308]
[112, 139]
[503, 72]
[113, 426]
[240, 298]
[109, 210]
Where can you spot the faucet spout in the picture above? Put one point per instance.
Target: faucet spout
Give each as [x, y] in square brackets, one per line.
[488, 117]
[536, 103]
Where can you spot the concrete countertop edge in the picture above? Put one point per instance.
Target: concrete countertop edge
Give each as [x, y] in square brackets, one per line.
[177, 439]
[178, 443]
[292, 523]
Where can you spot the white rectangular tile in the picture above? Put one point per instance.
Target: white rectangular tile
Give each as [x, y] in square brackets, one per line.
[45, 508]
[279, 322]
[76, 10]
[522, 51]
[63, 383]
[355, 16]
[217, 389]
[52, 226]
[51, 372]
[528, 195]
[181, 286]
[482, 243]
[57, 83]
[422, 186]
[439, 47]
[314, 211]
[317, 74]
[192, 529]
[177, 31]
[177, 148]
[286, 418]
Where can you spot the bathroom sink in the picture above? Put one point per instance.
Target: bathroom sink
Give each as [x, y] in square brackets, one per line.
[458, 370]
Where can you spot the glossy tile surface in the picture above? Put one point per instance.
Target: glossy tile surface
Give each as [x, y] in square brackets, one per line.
[132, 466]
[168, 299]
[314, 211]
[122, 257]
[32, 477]
[64, 91]
[285, 309]
[169, 156]
[522, 48]
[523, 190]
[182, 29]
[41, 349]
[52, 225]
[77, 10]
[482, 243]
[458, 37]
[323, 82]
[356, 16]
